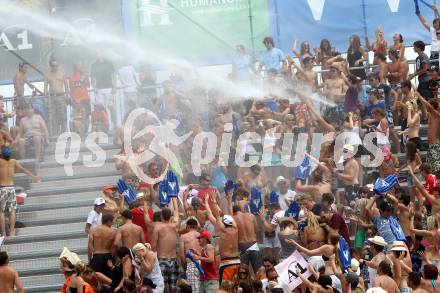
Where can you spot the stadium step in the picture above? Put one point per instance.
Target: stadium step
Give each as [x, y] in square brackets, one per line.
[57, 216]
[43, 283]
[70, 186]
[48, 233]
[41, 249]
[39, 266]
[58, 201]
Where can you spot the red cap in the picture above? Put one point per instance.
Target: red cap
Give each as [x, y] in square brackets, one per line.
[386, 154]
[205, 234]
[108, 187]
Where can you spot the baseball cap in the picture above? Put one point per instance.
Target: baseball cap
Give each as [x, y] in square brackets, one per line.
[386, 154]
[205, 235]
[140, 195]
[227, 220]
[99, 201]
[108, 187]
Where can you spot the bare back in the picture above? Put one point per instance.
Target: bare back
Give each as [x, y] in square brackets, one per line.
[166, 240]
[55, 81]
[246, 224]
[7, 279]
[103, 238]
[228, 245]
[131, 234]
[190, 241]
[433, 129]
[7, 171]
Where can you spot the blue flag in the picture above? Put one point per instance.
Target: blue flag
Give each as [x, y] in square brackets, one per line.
[126, 191]
[396, 229]
[293, 211]
[229, 185]
[235, 126]
[303, 170]
[384, 185]
[273, 197]
[272, 105]
[255, 201]
[344, 253]
[173, 184]
[164, 199]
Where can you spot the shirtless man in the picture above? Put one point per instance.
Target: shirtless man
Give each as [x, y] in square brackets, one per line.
[194, 209]
[383, 279]
[8, 203]
[247, 235]
[128, 234]
[20, 79]
[403, 210]
[163, 241]
[9, 278]
[397, 69]
[350, 175]
[319, 184]
[32, 130]
[307, 74]
[335, 87]
[111, 207]
[55, 85]
[101, 240]
[228, 244]
[190, 242]
[5, 138]
[433, 109]
[415, 282]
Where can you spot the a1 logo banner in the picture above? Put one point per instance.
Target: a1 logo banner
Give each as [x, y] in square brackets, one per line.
[173, 184]
[164, 199]
[255, 201]
[344, 253]
[293, 211]
[287, 270]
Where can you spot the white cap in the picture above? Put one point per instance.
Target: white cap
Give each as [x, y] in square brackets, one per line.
[376, 290]
[280, 179]
[355, 266]
[99, 201]
[228, 220]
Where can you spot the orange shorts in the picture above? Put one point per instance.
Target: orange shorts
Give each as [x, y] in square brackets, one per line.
[228, 270]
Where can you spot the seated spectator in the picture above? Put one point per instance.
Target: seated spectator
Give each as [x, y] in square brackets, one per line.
[33, 132]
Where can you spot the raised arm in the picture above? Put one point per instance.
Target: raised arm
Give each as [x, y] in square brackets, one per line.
[22, 169]
[423, 20]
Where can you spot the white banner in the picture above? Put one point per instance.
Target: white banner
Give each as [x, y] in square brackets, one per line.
[287, 270]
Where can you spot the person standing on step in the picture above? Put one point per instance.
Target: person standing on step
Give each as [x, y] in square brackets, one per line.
[8, 202]
[100, 245]
[9, 278]
[128, 234]
[95, 215]
[163, 241]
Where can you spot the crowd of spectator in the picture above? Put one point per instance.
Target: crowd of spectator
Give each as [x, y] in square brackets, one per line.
[213, 236]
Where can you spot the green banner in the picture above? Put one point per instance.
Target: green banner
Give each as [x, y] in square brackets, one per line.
[199, 29]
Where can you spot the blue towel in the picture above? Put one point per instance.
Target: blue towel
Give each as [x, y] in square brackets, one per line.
[384, 185]
[189, 255]
[229, 185]
[293, 211]
[235, 126]
[255, 202]
[164, 198]
[126, 191]
[303, 170]
[344, 253]
[173, 184]
[416, 3]
[396, 229]
[273, 197]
